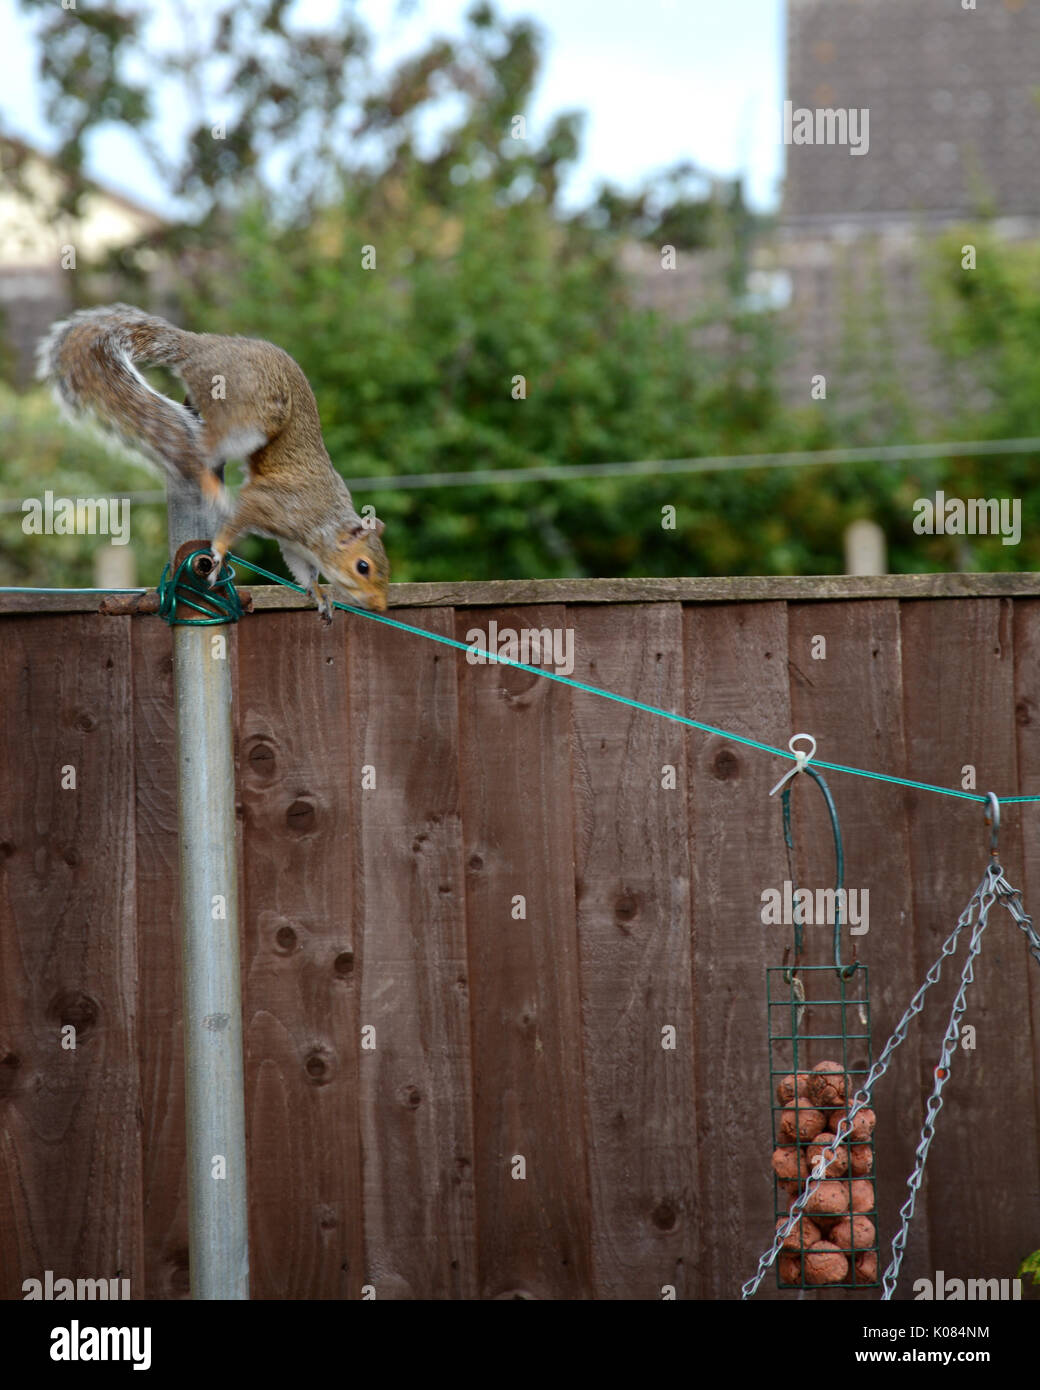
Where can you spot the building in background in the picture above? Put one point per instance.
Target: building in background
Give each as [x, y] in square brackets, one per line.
[953, 97]
[34, 288]
[953, 102]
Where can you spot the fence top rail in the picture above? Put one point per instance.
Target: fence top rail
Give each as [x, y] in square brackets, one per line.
[509, 593]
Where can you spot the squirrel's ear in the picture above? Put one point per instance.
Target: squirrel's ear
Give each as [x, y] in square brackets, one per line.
[368, 526]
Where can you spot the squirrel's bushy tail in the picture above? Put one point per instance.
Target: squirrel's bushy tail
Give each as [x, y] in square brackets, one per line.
[89, 360]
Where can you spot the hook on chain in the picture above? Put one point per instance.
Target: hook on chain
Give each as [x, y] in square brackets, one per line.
[993, 820]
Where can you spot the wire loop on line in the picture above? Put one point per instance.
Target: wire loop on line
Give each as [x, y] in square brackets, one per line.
[801, 758]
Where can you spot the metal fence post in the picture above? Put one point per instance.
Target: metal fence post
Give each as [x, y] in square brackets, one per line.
[214, 1102]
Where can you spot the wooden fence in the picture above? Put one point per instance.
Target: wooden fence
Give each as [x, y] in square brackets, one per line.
[388, 914]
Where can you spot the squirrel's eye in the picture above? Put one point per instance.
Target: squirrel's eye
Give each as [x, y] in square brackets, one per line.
[362, 567]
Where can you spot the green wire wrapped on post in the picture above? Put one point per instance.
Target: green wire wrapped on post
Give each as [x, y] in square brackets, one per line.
[186, 587]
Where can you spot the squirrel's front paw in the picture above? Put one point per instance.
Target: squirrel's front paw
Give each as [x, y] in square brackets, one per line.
[325, 609]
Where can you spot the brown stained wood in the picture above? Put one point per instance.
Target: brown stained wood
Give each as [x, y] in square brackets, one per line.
[416, 1084]
[711, 589]
[301, 1018]
[633, 895]
[958, 674]
[1024, 872]
[51, 601]
[161, 1041]
[346, 923]
[850, 700]
[131, 604]
[515, 778]
[736, 677]
[696, 589]
[70, 1175]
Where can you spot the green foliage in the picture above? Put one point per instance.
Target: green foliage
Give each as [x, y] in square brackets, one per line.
[987, 327]
[413, 361]
[415, 366]
[1030, 1266]
[678, 207]
[987, 323]
[479, 279]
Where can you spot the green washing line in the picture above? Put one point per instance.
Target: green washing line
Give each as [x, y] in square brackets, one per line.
[575, 685]
[637, 704]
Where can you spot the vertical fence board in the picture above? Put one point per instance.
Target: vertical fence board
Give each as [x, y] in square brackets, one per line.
[1024, 873]
[736, 678]
[974, 1178]
[633, 896]
[161, 1042]
[299, 796]
[416, 1122]
[849, 700]
[70, 1194]
[514, 737]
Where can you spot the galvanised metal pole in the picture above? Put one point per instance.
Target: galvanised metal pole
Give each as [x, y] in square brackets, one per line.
[214, 1103]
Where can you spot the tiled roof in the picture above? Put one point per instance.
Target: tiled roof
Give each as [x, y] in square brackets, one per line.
[953, 97]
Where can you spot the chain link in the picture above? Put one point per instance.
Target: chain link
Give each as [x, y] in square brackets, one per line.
[1013, 902]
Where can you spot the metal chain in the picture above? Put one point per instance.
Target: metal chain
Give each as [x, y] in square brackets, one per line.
[986, 896]
[1013, 902]
[993, 885]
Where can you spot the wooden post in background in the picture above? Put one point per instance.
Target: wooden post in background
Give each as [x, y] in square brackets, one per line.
[865, 548]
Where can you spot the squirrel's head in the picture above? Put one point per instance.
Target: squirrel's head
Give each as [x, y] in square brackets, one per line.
[357, 566]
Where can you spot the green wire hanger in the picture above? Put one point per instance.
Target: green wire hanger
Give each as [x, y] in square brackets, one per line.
[802, 759]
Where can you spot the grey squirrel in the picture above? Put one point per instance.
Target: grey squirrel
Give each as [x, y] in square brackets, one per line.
[245, 399]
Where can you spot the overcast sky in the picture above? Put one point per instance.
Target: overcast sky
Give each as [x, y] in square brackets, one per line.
[660, 80]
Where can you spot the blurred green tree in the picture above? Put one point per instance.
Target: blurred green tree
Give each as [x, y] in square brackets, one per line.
[405, 242]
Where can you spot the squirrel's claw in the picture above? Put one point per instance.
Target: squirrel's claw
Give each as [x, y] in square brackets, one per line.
[325, 609]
